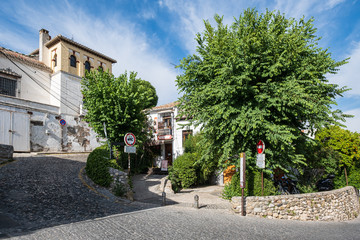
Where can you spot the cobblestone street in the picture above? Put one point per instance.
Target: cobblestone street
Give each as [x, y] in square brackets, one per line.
[47, 197]
[43, 191]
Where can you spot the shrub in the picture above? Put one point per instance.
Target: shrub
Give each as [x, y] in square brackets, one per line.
[97, 166]
[253, 185]
[183, 172]
[119, 190]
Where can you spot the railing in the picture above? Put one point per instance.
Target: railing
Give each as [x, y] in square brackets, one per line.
[164, 132]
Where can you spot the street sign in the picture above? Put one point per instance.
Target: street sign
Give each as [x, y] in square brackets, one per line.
[260, 146]
[129, 139]
[242, 170]
[62, 122]
[260, 160]
[129, 149]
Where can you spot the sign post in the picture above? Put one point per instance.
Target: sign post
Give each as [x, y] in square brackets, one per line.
[260, 161]
[129, 140]
[242, 181]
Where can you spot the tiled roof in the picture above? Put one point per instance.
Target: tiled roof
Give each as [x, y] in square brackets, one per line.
[165, 106]
[25, 59]
[59, 38]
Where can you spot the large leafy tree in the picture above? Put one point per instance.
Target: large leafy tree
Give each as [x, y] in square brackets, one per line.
[117, 102]
[263, 77]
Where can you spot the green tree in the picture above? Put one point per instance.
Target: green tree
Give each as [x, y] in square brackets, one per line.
[119, 103]
[347, 145]
[345, 142]
[264, 77]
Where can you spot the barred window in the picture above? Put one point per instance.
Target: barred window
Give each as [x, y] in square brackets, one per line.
[7, 86]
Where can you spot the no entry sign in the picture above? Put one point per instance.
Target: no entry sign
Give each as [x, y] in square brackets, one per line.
[260, 146]
[129, 139]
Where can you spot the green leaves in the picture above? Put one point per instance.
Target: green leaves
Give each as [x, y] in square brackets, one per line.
[117, 102]
[346, 143]
[263, 77]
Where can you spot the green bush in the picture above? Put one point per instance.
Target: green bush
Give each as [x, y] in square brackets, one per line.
[253, 185]
[190, 169]
[183, 172]
[119, 190]
[97, 165]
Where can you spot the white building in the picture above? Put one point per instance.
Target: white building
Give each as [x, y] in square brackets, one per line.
[40, 98]
[170, 133]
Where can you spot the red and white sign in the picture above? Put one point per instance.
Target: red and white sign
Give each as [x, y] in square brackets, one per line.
[165, 137]
[260, 146]
[129, 139]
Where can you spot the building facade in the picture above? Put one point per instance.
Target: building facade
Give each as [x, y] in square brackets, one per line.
[170, 133]
[40, 96]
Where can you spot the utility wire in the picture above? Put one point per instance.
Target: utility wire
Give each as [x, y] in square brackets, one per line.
[56, 85]
[38, 83]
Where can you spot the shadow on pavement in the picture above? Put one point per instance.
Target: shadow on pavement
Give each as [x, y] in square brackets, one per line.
[44, 191]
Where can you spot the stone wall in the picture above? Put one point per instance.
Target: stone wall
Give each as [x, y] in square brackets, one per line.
[6, 153]
[337, 205]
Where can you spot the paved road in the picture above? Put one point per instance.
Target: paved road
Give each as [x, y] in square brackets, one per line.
[43, 191]
[45, 198]
[185, 223]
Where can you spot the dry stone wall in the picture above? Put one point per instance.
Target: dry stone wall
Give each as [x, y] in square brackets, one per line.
[337, 205]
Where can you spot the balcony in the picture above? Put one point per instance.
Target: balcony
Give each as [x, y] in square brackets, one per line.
[165, 131]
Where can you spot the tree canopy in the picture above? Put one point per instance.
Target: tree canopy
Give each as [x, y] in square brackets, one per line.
[117, 102]
[263, 77]
[345, 142]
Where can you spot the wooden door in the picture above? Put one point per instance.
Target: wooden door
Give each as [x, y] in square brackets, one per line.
[168, 153]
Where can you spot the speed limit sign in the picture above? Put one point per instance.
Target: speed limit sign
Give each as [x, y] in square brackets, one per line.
[129, 139]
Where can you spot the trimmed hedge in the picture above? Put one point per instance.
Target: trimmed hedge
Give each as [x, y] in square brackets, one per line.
[183, 172]
[97, 166]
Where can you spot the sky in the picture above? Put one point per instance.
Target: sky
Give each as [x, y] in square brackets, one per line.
[150, 37]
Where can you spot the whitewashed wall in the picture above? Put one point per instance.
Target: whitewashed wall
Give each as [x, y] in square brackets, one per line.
[34, 84]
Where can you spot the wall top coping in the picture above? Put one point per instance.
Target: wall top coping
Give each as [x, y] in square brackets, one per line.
[292, 196]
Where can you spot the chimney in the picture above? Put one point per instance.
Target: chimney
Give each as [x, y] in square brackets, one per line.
[44, 37]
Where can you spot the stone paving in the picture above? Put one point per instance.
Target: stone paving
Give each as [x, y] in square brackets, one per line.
[44, 191]
[50, 197]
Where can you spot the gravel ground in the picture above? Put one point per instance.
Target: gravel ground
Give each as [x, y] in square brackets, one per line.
[44, 191]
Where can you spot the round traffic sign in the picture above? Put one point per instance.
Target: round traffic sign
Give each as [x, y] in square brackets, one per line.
[129, 139]
[62, 122]
[260, 146]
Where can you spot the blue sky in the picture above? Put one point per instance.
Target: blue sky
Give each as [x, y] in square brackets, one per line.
[151, 36]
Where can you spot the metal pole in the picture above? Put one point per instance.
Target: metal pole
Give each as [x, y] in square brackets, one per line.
[242, 181]
[262, 183]
[196, 201]
[128, 164]
[347, 184]
[242, 203]
[163, 195]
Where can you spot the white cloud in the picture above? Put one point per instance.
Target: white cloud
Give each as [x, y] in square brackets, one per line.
[112, 35]
[333, 3]
[353, 124]
[349, 74]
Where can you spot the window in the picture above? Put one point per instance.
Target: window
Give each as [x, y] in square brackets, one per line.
[55, 60]
[100, 68]
[7, 86]
[87, 66]
[185, 135]
[73, 61]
